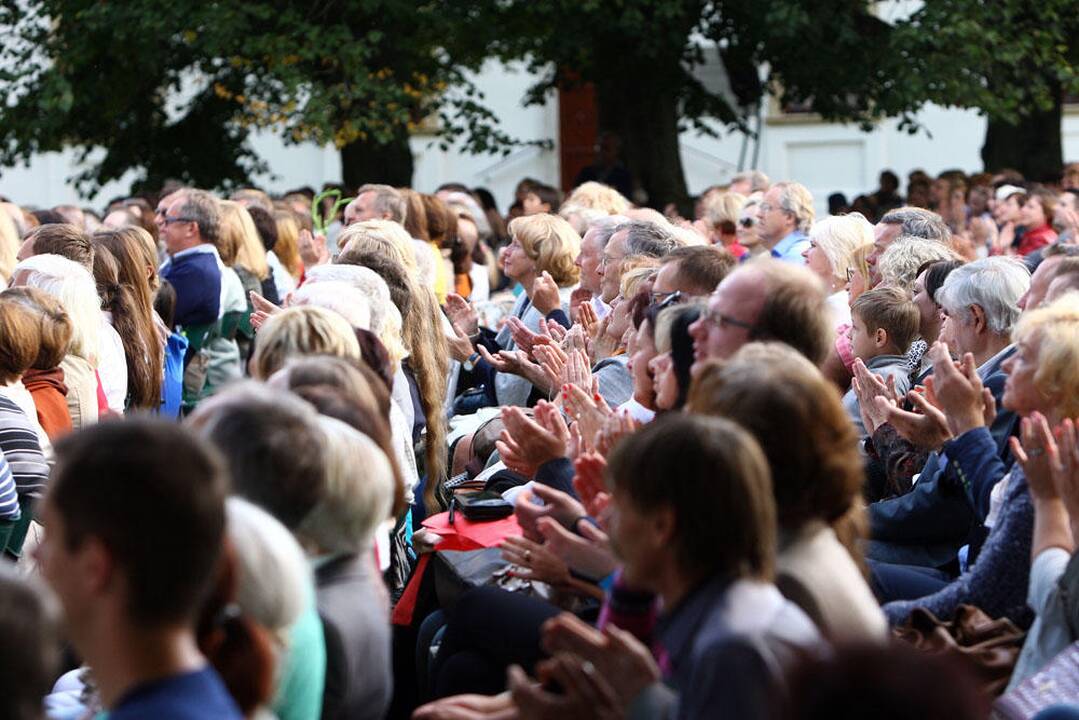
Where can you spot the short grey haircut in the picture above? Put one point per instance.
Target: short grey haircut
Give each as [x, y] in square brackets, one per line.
[271, 570]
[919, 222]
[340, 297]
[647, 238]
[387, 200]
[795, 198]
[994, 284]
[359, 491]
[205, 210]
[758, 181]
[607, 226]
[898, 265]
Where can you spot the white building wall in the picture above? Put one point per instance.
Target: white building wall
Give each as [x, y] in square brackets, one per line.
[825, 157]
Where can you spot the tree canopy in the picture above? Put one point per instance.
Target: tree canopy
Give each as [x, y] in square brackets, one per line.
[173, 90]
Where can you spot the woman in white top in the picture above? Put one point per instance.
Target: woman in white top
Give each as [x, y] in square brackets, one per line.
[830, 255]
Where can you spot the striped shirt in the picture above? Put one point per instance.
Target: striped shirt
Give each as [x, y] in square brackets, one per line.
[9, 497]
[22, 450]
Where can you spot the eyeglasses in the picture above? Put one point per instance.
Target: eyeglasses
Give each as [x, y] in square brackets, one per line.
[747, 222]
[721, 321]
[608, 260]
[171, 220]
[850, 274]
[666, 299]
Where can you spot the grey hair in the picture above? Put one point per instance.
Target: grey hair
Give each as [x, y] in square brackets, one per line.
[795, 198]
[898, 265]
[919, 222]
[647, 238]
[994, 284]
[359, 491]
[271, 568]
[204, 209]
[387, 200]
[607, 226]
[758, 181]
[340, 297]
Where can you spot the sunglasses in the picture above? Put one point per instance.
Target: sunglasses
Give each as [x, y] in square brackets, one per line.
[747, 222]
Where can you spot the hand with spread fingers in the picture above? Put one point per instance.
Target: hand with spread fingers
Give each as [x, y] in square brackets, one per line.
[505, 361]
[312, 249]
[583, 693]
[524, 444]
[590, 411]
[589, 553]
[577, 298]
[618, 656]
[461, 313]
[525, 338]
[589, 483]
[925, 428]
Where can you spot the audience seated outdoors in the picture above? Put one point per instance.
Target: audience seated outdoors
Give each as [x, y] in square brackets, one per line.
[582, 460]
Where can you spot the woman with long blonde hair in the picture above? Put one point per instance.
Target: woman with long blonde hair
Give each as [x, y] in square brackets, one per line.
[428, 362]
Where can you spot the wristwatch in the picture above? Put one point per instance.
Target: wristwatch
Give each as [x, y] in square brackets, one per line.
[470, 364]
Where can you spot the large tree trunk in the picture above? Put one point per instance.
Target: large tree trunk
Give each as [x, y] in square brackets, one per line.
[645, 115]
[367, 162]
[1033, 146]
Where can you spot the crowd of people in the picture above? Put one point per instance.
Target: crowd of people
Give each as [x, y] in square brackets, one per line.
[406, 456]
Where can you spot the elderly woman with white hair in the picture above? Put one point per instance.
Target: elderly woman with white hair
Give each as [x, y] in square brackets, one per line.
[352, 599]
[74, 287]
[830, 255]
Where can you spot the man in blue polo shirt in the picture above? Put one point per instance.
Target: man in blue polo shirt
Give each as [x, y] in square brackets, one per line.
[786, 216]
[136, 521]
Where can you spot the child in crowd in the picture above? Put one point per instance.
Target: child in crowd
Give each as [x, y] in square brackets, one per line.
[884, 322]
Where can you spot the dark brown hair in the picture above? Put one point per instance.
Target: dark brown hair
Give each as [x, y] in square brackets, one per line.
[719, 468]
[63, 239]
[154, 495]
[134, 324]
[816, 467]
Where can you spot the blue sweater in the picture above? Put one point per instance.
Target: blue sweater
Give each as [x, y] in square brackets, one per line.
[197, 281]
[997, 583]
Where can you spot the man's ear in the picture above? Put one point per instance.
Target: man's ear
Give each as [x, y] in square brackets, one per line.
[95, 564]
[977, 315]
[663, 526]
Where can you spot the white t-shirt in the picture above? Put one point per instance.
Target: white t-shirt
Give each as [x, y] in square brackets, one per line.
[112, 365]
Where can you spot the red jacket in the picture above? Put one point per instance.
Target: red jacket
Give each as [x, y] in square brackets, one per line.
[1035, 238]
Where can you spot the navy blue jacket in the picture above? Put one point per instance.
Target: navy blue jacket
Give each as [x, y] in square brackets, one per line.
[946, 508]
[197, 281]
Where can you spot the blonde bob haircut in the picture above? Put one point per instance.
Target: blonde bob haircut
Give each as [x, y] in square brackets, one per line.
[552, 243]
[838, 237]
[238, 231]
[304, 330]
[380, 236]
[1054, 329]
[635, 277]
[358, 494]
[597, 196]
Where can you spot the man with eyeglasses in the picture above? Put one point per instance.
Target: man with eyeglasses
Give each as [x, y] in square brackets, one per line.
[188, 223]
[764, 300]
[786, 214]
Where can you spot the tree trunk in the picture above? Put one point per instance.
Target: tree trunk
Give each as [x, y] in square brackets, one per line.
[1033, 146]
[645, 115]
[367, 162]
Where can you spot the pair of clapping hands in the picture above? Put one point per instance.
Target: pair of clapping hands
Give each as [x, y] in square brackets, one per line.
[951, 402]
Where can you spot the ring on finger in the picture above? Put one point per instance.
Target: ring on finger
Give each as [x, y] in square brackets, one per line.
[528, 556]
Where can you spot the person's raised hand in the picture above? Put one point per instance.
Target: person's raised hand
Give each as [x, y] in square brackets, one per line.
[561, 507]
[528, 513]
[588, 553]
[550, 419]
[552, 360]
[524, 445]
[469, 707]
[460, 344]
[1036, 452]
[578, 370]
[525, 338]
[545, 297]
[590, 411]
[461, 312]
[312, 249]
[535, 562]
[867, 388]
[505, 361]
[556, 331]
[617, 426]
[957, 391]
[618, 656]
[589, 320]
[582, 695]
[1065, 467]
[579, 296]
[589, 483]
[927, 428]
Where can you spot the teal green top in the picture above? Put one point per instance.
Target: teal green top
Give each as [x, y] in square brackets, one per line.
[303, 668]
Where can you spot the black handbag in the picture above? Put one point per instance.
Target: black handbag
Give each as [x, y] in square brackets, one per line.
[482, 506]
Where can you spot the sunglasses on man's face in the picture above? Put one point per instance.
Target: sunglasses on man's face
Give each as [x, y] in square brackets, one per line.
[747, 222]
